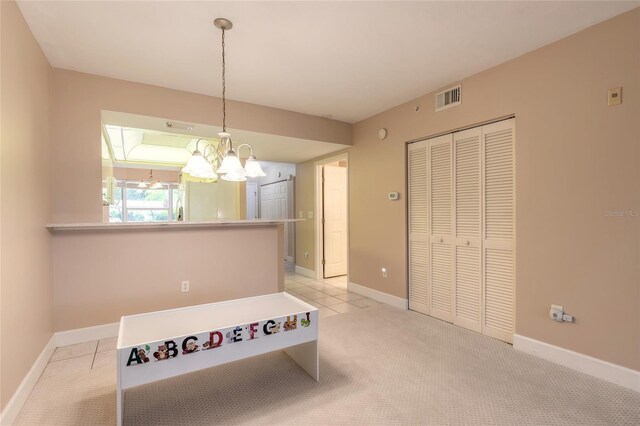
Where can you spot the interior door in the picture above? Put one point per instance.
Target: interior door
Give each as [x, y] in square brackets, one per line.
[252, 200]
[499, 229]
[440, 201]
[418, 228]
[467, 223]
[267, 210]
[335, 220]
[273, 205]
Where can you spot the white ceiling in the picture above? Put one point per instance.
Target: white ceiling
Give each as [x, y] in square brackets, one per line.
[349, 60]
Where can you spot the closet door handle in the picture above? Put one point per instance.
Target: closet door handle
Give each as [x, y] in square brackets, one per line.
[468, 242]
[441, 240]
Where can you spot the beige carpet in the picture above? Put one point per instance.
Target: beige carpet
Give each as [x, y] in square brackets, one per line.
[378, 366]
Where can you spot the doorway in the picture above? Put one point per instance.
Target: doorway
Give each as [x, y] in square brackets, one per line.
[332, 226]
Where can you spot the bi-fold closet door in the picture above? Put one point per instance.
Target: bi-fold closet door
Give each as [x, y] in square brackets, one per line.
[461, 228]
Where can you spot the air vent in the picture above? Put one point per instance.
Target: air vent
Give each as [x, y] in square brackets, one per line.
[176, 125]
[448, 98]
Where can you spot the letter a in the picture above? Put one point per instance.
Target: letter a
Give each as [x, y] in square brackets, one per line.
[133, 356]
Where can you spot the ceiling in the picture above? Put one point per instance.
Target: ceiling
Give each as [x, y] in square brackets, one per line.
[140, 141]
[343, 60]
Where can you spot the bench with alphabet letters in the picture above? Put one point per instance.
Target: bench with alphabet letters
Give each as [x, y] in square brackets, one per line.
[159, 345]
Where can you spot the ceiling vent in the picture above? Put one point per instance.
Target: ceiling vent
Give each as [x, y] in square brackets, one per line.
[176, 125]
[448, 98]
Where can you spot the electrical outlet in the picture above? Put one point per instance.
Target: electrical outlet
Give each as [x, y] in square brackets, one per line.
[556, 312]
[384, 272]
[185, 286]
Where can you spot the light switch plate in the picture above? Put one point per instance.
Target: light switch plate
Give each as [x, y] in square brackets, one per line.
[309, 214]
[615, 96]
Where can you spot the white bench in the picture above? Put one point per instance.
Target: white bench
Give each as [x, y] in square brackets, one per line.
[163, 344]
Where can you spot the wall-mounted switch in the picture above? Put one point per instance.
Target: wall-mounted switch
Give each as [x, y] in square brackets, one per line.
[310, 214]
[384, 272]
[393, 196]
[300, 214]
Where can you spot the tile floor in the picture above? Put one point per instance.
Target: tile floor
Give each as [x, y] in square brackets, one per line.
[81, 357]
[330, 296]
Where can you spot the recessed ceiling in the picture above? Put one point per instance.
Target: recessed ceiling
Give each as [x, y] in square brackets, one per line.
[135, 146]
[142, 140]
[347, 60]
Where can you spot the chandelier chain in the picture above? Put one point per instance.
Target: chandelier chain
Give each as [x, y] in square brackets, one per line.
[224, 89]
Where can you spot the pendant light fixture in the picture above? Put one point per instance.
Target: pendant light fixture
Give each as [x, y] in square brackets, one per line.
[151, 183]
[230, 169]
[198, 165]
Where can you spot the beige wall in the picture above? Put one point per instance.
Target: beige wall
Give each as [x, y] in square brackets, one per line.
[575, 158]
[25, 260]
[101, 275]
[75, 131]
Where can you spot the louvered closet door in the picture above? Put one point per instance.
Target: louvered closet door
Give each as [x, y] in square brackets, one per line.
[467, 225]
[440, 215]
[418, 228]
[499, 230]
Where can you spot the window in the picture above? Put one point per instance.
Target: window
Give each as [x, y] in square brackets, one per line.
[133, 204]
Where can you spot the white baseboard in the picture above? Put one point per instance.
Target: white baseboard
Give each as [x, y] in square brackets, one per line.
[389, 299]
[87, 334]
[306, 272]
[13, 407]
[584, 363]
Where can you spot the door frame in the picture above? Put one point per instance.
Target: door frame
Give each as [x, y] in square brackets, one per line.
[319, 232]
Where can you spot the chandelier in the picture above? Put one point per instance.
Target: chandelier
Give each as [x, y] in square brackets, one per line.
[151, 183]
[222, 160]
